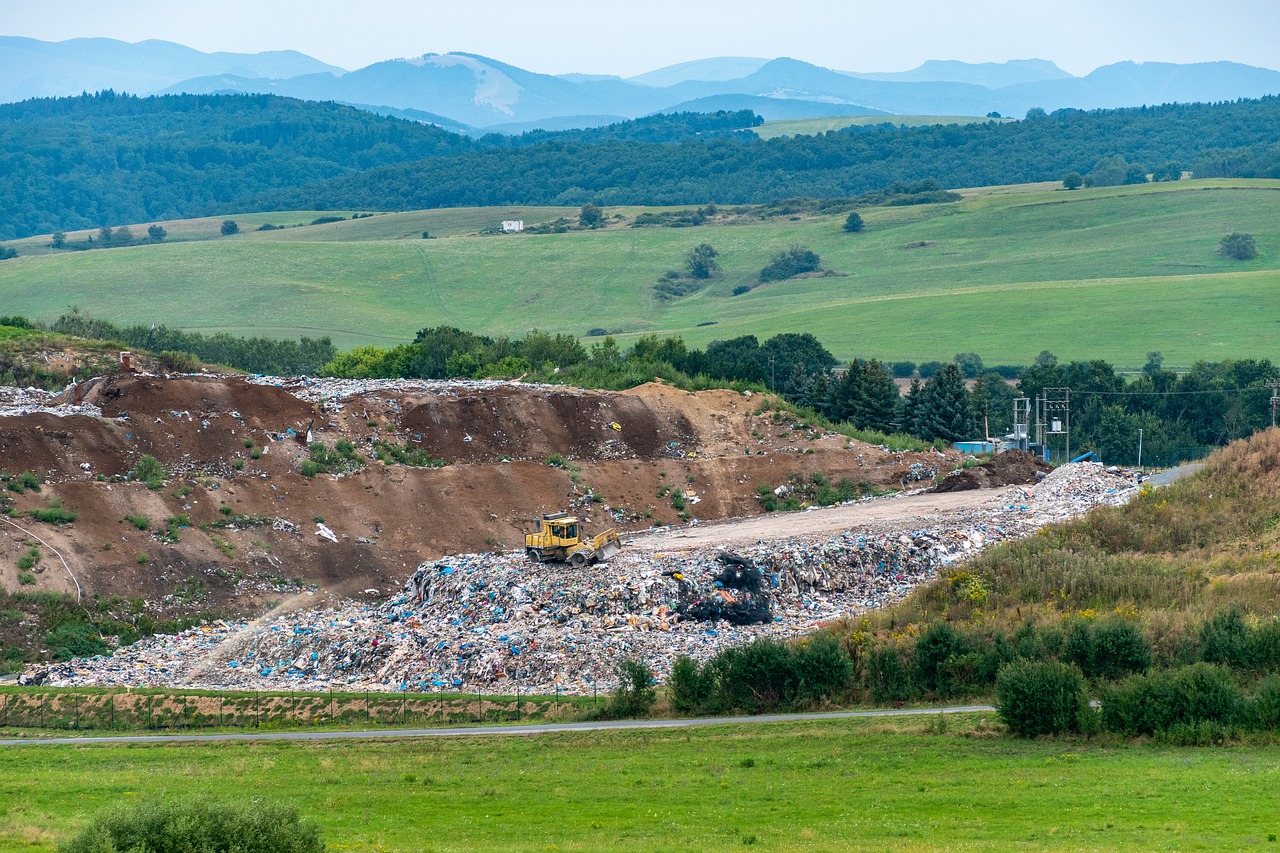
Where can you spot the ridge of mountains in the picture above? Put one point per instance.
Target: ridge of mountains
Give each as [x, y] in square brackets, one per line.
[466, 90]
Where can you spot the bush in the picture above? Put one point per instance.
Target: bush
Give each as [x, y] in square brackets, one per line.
[149, 470]
[635, 694]
[199, 825]
[687, 690]
[75, 640]
[936, 648]
[1148, 704]
[1119, 649]
[55, 513]
[1241, 247]
[791, 263]
[229, 227]
[853, 224]
[1264, 705]
[890, 679]
[1037, 698]
[175, 361]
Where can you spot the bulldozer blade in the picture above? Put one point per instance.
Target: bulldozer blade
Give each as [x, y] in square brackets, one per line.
[607, 550]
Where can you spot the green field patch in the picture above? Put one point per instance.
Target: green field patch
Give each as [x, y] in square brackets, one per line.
[812, 126]
[1102, 273]
[801, 786]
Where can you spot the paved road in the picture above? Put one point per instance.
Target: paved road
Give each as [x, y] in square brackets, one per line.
[1164, 478]
[488, 731]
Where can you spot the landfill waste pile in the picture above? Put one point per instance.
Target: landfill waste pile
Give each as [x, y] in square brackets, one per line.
[495, 621]
[29, 401]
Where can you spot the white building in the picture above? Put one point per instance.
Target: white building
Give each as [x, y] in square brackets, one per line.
[511, 226]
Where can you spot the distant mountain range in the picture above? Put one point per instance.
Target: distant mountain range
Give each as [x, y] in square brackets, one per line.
[462, 90]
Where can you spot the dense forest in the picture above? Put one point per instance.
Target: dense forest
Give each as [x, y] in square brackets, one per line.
[1236, 139]
[110, 159]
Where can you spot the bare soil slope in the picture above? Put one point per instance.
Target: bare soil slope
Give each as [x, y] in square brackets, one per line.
[234, 449]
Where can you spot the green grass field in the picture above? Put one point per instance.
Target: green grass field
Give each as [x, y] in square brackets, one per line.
[1107, 273]
[831, 785]
[812, 126]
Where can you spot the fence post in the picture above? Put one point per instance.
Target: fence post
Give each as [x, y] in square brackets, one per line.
[150, 712]
[479, 707]
[404, 692]
[219, 709]
[366, 706]
[332, 708]
[257, 709]
[75, 704]
[517, 698]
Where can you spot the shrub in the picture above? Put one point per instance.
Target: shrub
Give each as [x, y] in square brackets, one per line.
[853, 224]
[1264, 705]
[175, 361]
[936, 648]
[199, 825]
[790, 263]
[687, 690]
[1147, 704]
[405, 455]
[635, 694]
[55, 513]
[1037, 698]
[229, 227]
[1241, 247]
[890, 679]
[75, 640]
[1119, 649]
[149, 470]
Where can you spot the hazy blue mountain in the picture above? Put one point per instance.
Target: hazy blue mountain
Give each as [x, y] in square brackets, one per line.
[993, 75]
[702, 70]
[468, 90]
[1126, 84]
[30, 68]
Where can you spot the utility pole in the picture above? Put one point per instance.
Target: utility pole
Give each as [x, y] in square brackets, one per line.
[1139, 448]
[773, 382]
[1274, 385]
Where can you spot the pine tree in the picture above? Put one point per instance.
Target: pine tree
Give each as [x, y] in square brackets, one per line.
[947, 410]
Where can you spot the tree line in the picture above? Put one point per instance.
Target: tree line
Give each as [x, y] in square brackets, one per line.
[94, 160]
[1173, 415]
[1234, 139]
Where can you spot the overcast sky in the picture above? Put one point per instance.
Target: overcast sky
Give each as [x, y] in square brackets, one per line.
[626, 38]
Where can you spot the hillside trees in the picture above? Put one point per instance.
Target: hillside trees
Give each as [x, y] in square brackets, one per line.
[701, 261]
[73, 163]
[790, 263]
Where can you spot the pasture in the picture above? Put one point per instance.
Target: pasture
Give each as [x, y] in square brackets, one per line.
[812, 126]
[909, 785]
[1009, 271]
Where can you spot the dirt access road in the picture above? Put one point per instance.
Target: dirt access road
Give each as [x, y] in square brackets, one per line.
[908, 511]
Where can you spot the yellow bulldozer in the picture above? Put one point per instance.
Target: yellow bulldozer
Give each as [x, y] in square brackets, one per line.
[560, 539]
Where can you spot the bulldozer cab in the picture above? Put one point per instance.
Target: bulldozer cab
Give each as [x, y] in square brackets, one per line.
[563, 532]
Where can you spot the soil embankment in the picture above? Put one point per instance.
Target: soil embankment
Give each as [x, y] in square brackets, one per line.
[237, 523]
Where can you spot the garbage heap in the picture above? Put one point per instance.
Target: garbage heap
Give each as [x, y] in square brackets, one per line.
[495, 621]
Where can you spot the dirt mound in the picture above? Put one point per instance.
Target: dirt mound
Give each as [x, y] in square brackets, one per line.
[236, 522]
[1011, 468]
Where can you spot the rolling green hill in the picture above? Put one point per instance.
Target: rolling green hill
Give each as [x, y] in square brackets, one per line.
[1107, 273]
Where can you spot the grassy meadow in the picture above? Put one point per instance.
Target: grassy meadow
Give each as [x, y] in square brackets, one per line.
[813, 126]
[1105, 273]
[912, 784]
